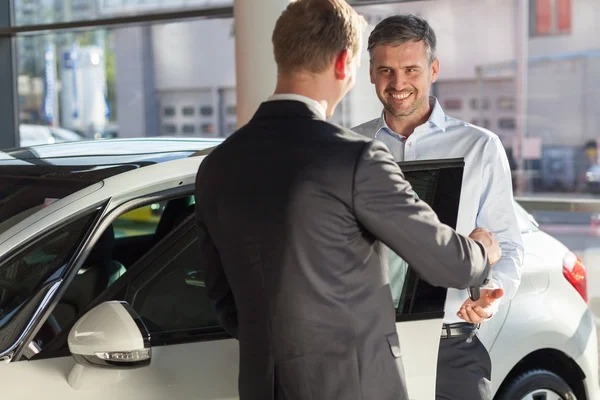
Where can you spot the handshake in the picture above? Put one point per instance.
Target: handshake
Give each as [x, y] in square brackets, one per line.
[489, 242]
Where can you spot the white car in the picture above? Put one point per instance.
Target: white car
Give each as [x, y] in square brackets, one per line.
[33, 135]
[102, 292]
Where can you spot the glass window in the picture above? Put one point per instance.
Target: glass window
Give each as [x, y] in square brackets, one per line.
[207, 128]
[169, 111]
[22, 273]
[169, 129]
[145, 220]
[33, 12]
[128, 239]
[506, 103]
[139, 222]
[102, 82]
[453, 104]
[187, 111]
[26, 189]
[175, 298]
[474, 102]
[549, 17]
[507, 123]
[410, 293]
[485, 123]
[206, 111]
[188, 129]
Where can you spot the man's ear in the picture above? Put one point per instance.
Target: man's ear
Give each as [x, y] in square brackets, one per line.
[435, 69]
[341, 65]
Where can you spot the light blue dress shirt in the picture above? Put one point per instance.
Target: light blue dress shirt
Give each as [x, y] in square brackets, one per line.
[486, 197]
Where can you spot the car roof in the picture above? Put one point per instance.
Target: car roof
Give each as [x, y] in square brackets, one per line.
[32, 177]
[106, 151]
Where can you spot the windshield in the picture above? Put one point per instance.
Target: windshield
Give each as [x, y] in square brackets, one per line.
[24, 190]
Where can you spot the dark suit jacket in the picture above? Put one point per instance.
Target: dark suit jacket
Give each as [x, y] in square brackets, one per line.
[289, 210]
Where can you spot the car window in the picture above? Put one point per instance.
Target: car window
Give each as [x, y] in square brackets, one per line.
[139, 222]
[170, 295]
[146, 220]
[25, 190]
[119, 247]
[437, 183]
[23, 273]
[113, 253]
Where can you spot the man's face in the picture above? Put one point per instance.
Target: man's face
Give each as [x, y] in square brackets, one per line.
[402, 77]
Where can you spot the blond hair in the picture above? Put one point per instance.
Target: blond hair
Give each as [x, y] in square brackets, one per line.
[310, 33]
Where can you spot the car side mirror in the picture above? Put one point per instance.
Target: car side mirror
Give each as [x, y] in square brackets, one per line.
[110, 335]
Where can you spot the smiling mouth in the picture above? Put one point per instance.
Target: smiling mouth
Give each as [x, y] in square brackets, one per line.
[399, 96]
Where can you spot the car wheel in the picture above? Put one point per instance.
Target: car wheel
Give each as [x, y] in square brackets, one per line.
[537, 384]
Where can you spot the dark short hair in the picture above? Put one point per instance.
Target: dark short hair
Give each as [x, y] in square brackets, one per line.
[399, 29]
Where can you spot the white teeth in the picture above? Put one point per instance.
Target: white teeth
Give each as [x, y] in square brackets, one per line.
[401, 96]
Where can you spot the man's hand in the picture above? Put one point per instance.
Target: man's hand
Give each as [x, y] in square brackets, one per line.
[489, 241]
[476, 311]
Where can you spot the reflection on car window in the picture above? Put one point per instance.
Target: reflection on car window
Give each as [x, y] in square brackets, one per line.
[24, 272]
[144, 221]
[26, 189]
[139, 222]
[175, 299]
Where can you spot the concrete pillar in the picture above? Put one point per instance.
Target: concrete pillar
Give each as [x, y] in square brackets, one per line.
[256, 72]
[136, 102]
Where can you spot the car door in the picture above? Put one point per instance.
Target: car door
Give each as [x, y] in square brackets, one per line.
[192, 356]
[420, 306]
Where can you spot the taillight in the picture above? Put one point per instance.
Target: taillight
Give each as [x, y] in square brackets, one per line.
[574, 271]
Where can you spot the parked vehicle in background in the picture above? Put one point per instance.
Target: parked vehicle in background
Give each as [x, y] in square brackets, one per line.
[33, 135]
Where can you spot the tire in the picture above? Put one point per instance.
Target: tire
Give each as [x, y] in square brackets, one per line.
[536, 384]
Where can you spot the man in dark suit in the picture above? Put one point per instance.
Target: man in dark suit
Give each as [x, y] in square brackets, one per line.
[290, 210]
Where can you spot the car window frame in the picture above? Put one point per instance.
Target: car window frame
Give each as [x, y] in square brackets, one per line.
[58, 345]
[178, 240]
[53, 289]
[412, 281]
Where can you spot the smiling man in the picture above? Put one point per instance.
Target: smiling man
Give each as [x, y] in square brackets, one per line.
[413, 125]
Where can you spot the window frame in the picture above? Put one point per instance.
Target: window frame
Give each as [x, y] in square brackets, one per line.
[176, 242]
[57, 347]
[412, 282]
[46, 303]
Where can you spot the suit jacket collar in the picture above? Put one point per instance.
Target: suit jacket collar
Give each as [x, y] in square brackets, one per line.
[286, 109]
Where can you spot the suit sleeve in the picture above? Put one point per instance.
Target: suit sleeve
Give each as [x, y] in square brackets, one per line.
[217, 286]
[386, 205]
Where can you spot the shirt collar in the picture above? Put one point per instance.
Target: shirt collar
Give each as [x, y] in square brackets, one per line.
[437, 118]
[313, 104]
